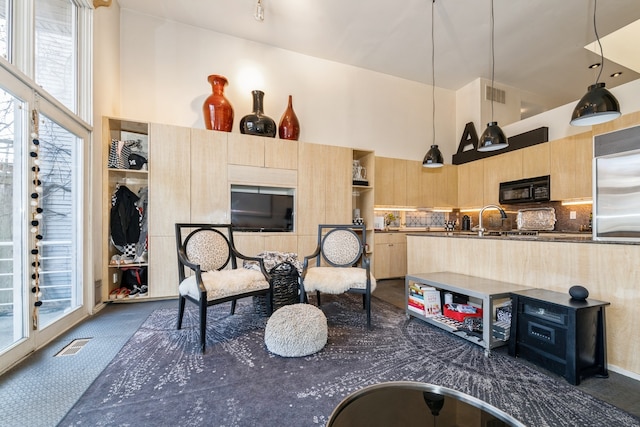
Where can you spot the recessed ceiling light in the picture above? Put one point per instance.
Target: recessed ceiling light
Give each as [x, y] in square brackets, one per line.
[596, 65]
[616, 74]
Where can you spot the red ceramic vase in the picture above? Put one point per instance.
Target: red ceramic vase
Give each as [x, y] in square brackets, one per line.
[217, 110]
[289, 127]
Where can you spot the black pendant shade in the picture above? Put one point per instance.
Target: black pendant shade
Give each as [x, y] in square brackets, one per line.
[492, 138]
[598, 105]
[433, 158]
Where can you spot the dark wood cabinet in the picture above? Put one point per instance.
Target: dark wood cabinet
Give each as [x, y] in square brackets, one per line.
[563, 335]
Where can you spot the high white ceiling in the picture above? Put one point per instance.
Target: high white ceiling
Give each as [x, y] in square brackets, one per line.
[539, 44]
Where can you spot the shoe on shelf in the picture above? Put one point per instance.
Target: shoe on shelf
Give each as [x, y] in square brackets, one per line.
[114, 294]
[124, 292]
[134, 292]
[142, 259]
[144, 290]
[115, 260]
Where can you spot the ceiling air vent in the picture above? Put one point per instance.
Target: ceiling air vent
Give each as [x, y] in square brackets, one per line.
[494, 94]
[73, 347]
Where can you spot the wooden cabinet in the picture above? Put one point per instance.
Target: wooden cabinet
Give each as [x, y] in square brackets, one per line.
[570, 160]
[362, 195]
[136, 181]
[497, 169]
[391, 181]
[209, 189]
[390, 255]
[536, 161]
[414, 192]
[440, 186]
[324, 190]
[251, 150]
[471, 184]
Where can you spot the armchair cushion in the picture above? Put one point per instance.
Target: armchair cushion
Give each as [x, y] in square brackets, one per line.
[224, 283]
[336, 280]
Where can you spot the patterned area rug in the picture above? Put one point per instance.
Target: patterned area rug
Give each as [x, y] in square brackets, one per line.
[160, 378]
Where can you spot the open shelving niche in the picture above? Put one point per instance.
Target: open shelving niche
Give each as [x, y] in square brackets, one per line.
[363, 195]
[119, 129]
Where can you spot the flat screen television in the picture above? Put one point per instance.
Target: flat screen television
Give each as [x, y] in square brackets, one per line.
[262, 209]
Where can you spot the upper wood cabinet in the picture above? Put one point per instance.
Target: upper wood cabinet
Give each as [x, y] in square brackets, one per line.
[384, 181]
[497, 169]
[536, 161]
[570, 160]
[440, 186]
[324, 190]
[471, 184]
[209, 187]
[391, 181]
[414, 192]
[169, 178]
[251, 150]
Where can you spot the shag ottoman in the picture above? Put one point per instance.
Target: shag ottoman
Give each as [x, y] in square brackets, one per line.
[296, 330]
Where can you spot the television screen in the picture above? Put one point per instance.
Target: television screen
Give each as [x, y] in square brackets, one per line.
[261, 210]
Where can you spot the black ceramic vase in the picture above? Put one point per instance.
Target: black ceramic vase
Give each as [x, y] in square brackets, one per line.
[257, 123]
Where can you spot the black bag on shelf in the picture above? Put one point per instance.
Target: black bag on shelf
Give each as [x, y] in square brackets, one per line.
[133, 276]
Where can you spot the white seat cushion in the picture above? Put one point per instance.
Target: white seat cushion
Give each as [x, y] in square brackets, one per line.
[224, 283]
[336, 280]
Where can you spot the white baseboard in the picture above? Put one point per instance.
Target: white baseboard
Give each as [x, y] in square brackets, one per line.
[624, 372]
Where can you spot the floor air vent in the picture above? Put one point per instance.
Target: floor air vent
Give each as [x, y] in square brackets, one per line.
[73, 347]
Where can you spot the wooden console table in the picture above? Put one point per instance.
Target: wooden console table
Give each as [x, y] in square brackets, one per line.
[563, 335]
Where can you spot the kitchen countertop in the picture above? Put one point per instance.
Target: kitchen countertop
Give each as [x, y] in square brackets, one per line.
[543, 236]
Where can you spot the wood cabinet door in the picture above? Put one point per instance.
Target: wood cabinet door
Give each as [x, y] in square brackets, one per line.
[536, 161]
[414, 183]
[399, 182]
[584, 166]
[163, 267]
[384, 181]
[280, 154]
[563, 168]
[210, 191]
[169, 178]
[471, 184]
[390, 256]
[247, 150]
[501, 168]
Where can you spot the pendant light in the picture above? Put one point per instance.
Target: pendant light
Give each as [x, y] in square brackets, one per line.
[492, 138]
[433, 158]
[598, 105]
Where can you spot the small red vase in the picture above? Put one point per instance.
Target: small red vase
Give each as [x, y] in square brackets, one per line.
[289, 127]
[217, 110]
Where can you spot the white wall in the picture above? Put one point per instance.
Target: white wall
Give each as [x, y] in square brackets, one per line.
[164, 69]
[106, 102]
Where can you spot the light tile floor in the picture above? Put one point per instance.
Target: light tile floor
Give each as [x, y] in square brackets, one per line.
[41, 390]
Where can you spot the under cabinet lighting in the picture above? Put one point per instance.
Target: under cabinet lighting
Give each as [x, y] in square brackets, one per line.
[395, 208]
[577, 202]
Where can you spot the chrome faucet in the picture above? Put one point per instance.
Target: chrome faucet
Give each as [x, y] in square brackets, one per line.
[480, 228]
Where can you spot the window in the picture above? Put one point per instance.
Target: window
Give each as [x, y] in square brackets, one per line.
[4, 29]
[55, 49]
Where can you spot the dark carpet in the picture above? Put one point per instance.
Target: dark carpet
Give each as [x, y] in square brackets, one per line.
[160, 378]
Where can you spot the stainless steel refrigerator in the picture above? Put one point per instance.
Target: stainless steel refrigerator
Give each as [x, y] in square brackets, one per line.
[616, 185]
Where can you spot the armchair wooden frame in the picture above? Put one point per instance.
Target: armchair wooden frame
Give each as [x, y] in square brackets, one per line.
[355, 257]
[215, 251]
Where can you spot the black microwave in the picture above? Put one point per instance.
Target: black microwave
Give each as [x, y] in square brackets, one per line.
[526, 190]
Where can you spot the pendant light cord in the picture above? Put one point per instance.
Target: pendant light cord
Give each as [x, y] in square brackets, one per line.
[595, 30]
[493, 60]
[433, 77]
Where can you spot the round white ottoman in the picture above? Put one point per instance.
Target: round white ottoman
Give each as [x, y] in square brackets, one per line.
[296, 330]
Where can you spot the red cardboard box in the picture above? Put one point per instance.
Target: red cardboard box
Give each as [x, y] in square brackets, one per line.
[456, 315]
